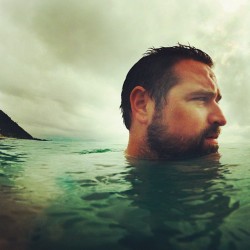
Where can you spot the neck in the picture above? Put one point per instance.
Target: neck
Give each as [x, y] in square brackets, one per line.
[138, 148]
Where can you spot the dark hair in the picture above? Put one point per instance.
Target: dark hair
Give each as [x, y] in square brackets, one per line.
[154, 72]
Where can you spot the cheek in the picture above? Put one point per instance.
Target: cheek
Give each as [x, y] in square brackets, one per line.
[186, 121]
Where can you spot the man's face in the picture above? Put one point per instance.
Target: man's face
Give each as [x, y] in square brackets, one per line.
[189, 124]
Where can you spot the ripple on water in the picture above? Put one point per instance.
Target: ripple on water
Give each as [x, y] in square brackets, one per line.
[96, 196]
[95, 151]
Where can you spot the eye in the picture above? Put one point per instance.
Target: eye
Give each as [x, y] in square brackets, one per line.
[201, 98]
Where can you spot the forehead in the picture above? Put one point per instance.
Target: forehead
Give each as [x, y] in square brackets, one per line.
[193, 73]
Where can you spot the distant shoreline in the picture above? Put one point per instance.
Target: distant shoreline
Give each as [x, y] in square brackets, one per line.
[33, 139]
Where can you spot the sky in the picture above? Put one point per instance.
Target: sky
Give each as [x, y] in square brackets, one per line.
[63, 63]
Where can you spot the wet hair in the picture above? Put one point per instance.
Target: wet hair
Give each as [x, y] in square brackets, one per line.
[155, 73]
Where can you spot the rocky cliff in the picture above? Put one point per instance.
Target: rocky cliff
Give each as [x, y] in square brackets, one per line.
[9, 128]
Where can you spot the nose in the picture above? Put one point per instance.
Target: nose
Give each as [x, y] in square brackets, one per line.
[216, 116]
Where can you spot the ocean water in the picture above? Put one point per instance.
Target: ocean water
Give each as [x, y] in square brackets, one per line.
[87, 195]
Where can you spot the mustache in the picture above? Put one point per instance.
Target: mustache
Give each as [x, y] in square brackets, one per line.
[212, 131]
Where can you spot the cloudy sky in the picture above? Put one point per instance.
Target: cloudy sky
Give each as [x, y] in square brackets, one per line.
[63, 62]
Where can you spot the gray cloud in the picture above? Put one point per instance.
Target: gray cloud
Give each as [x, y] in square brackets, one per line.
[63, 62]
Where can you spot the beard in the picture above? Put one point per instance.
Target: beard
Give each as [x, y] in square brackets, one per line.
[176, 147]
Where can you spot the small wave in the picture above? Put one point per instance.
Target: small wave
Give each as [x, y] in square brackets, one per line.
[95, 151]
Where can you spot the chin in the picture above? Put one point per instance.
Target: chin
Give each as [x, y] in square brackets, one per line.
[212, 148]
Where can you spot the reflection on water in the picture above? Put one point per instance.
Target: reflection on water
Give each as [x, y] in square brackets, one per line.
[184, 204]
[13, 214]
[76, 195]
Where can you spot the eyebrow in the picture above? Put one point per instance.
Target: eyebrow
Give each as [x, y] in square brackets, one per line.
[206, 93]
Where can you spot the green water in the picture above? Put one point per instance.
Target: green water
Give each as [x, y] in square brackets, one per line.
[86, 195]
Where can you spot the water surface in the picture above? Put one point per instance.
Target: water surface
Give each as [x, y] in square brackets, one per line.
[86, 195]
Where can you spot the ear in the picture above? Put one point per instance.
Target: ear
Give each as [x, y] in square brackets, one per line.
[142, 105]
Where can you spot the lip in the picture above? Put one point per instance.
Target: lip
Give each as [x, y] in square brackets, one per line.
[212, 137]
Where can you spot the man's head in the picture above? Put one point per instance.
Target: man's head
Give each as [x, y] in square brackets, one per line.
[170, 104]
